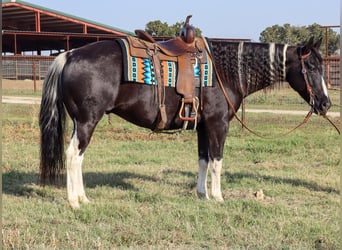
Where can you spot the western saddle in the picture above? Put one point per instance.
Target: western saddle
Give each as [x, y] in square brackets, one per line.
[186, 50]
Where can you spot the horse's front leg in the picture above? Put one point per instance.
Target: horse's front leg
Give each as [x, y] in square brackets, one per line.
[210, 151]
[202, 142]
[215, 169]
[75, 188]
[202, 191]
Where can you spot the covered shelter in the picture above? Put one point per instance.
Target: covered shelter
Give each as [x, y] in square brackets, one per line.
[31, 28]
[33, 35]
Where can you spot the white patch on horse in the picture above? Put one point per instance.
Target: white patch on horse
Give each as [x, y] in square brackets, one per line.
[75, 186]
[215, 168]
[272, 58]
[324, 86]
[284, 61]
[202, 191]
[240, 51]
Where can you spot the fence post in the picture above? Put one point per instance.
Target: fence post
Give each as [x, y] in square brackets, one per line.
[34, 77]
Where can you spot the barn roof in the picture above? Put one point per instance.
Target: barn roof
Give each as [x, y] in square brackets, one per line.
[21, 15]
[27, 27]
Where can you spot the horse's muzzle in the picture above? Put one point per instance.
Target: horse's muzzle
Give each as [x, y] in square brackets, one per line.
[321, 107]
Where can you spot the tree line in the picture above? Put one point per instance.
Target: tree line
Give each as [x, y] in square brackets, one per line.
[285, 34]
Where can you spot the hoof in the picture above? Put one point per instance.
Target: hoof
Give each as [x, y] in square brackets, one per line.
[202, 196]
[84, 199]
[74, 204]
[218, 198]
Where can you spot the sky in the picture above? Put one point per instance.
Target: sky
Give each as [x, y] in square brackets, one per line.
[216, 18]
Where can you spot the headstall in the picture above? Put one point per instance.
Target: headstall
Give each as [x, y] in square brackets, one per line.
[305, 75]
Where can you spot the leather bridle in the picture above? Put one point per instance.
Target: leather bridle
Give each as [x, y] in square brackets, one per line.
[305, 75]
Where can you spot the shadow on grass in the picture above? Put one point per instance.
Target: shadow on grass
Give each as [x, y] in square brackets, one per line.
[115, 180]
[21, 184]
[296, 182]
[18, 183]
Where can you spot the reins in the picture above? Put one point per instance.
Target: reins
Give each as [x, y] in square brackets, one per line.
[333, 124]
[306, 118]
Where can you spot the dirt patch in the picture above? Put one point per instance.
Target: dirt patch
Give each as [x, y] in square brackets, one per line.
[21, 84]
[248, 194]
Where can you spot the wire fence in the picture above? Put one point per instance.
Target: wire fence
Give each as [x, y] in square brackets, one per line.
[25, 67]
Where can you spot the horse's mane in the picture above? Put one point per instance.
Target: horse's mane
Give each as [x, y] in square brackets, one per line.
[249, 66]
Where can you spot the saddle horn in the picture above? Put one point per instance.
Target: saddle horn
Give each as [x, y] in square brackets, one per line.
[187, 20]
[188, 31]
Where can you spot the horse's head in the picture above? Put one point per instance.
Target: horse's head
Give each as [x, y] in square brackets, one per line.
[305, 74]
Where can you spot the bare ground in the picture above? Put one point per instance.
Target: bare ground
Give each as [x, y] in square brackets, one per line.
[21, 84]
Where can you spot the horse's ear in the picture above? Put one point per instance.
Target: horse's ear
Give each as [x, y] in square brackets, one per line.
[307, 47]
[317, 44]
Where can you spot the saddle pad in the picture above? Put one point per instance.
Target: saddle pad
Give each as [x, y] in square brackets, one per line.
[140, 69]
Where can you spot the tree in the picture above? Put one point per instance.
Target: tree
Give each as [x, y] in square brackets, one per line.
[158, 28]
[294, 35]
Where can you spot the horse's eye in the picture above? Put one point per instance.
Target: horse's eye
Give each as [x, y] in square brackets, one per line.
[311, 69]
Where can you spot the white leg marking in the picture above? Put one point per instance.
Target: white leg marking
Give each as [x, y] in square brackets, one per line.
[215, 167]
[75, 187]
[202, 191]
[324, 86]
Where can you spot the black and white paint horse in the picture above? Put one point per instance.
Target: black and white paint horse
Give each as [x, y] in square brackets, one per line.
[88, 82]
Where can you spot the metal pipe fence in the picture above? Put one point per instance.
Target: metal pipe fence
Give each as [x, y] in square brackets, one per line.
[331, 67]
[35, 68]
[25, 67]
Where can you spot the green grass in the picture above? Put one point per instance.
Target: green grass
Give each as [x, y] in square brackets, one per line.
[287, 99]
[142, 188]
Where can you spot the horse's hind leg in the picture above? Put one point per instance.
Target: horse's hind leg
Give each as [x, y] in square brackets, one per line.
[74, 158]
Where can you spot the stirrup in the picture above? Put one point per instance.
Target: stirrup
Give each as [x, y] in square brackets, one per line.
[193, 115]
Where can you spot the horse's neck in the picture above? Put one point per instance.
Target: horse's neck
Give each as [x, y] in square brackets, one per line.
[265, 65]
[252, 66]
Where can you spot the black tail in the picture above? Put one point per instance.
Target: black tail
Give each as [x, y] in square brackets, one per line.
[52, 123]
